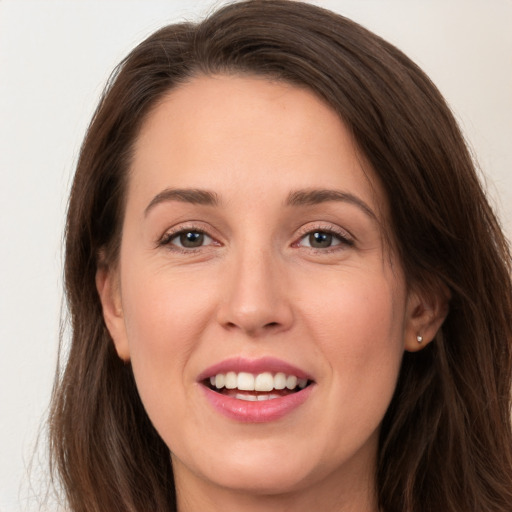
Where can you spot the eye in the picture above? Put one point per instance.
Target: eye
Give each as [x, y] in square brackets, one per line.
[320, 240]
[191, 239]
[324, 239]
[187, 239]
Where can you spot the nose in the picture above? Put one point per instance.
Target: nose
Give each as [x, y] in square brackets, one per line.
[255, 297]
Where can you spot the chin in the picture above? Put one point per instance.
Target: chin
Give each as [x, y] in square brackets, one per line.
[262, 469]
[262, 479]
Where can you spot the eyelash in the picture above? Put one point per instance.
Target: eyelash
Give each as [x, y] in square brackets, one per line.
[344, 239]
[167, 239]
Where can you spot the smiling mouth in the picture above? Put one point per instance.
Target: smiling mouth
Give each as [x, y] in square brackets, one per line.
[256, 387]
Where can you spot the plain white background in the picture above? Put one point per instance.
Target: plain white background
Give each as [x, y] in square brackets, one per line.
[54, 59]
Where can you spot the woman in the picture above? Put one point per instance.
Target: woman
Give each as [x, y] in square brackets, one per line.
[287, 288]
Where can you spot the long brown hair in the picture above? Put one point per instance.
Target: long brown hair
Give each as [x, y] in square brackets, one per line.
[446, 440]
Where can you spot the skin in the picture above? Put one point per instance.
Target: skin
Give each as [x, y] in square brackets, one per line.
[343, 313]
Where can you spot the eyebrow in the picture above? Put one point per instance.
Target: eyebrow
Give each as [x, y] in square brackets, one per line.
[303, 197]
[184, 195]
[317, 196]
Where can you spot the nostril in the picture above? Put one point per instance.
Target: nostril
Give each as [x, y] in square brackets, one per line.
[269, 325]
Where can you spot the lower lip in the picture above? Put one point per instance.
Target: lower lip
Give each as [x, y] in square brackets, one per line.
[256, 412]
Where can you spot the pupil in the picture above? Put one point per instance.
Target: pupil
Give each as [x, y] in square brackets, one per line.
[320, 240]
[191, 239]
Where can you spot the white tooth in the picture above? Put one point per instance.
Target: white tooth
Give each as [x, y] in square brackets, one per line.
[212, 380]
[248, 398]
[302, 383]
[279, 381]
[231, 380]
[272, 396]
[219, 380]
[264, 382]
[245, 381]
[291, 382]
[263, 397]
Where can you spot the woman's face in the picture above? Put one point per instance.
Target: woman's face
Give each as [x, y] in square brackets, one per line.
[253, 255]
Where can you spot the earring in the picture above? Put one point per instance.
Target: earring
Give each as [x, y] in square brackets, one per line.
[420, 339]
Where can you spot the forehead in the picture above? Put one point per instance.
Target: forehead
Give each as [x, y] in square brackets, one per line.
[247, 135]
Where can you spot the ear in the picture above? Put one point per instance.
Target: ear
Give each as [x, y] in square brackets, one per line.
[426, 312]
[108, 286]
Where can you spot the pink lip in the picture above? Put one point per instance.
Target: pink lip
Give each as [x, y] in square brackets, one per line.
[254, 366]
[254, 412]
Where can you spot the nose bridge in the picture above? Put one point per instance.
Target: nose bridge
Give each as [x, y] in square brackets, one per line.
[255, 299]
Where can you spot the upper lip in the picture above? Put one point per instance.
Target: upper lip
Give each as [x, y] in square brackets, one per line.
[254, 366]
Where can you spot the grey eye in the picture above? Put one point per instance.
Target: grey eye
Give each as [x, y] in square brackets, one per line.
[320, 240]
[191, 239]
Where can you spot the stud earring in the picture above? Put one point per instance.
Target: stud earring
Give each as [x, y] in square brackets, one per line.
[420, 339]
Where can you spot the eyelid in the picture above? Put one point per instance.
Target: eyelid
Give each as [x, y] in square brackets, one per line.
[171, 233]
[343, 235]
[345, 238]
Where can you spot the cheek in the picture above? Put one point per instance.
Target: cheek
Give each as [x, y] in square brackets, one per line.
[363, 320]
[164, 319]
[356, 310]
[162, 312]
[359, 328]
